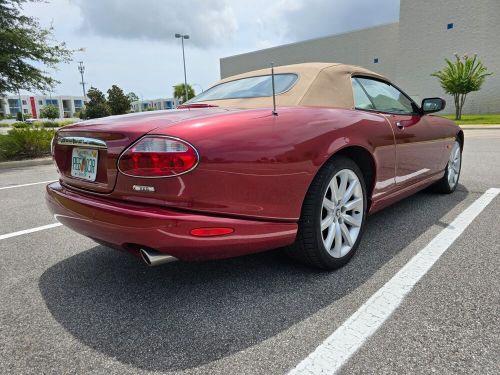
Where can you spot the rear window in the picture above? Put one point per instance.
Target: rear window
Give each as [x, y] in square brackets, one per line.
[251, 87]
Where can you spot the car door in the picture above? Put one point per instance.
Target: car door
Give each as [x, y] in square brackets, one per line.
[380, 133]
[418, 147]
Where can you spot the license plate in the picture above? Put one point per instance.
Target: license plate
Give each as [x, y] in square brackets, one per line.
[84, 163]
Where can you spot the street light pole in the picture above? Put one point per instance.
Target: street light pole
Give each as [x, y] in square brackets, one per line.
[81, 68]
[183, 36]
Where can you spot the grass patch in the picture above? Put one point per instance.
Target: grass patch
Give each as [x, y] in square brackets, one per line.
[476, 119]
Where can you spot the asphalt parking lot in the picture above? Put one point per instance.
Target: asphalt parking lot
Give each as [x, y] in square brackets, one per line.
[68, 305]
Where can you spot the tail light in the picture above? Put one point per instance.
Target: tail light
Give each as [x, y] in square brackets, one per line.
[158, 156]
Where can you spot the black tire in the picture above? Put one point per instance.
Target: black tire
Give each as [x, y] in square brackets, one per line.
[443, 186]
[309, 247]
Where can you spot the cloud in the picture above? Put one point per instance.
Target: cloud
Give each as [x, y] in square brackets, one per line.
[296, 20]
[208, 22]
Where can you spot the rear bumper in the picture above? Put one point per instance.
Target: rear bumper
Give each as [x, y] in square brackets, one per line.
[130, 226]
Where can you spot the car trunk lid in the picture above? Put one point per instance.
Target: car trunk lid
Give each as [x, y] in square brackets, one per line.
[107, 138]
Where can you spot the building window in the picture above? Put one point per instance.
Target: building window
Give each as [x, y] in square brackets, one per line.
[52, 102]
[40, 102]
[24, 102]
[25, 110]
[449, 26]
[78, 105]
[14, 106]
[375, 60]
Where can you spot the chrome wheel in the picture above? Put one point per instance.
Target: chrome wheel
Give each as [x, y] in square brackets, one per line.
[454, 164]
[342, 213]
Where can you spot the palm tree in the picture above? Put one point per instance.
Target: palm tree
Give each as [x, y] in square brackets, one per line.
[460, 78]
[180, 92]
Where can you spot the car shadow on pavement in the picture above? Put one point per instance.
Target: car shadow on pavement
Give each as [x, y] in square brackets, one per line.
[183, 315]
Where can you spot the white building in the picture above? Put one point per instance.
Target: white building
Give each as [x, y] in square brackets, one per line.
[32, 104]
[162, 103]
[408, 51]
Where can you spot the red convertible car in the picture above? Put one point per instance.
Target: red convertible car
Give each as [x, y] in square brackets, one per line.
[226, 175]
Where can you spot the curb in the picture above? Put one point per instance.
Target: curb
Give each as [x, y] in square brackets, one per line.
[25, 163]
[482, 127]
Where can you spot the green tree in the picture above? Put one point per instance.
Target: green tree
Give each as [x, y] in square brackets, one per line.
[26, 48]
[96, 106]
[460, 78]
[51, 112]
[180, 92]
[132, 96]
[119, 103]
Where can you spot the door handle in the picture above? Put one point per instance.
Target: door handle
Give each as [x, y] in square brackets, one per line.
[400, 125]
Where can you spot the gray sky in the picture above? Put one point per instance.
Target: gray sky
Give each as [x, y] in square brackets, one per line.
[132, 44]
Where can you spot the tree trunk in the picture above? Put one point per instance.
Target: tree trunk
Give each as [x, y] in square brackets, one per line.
[462, 102]
[457, 106]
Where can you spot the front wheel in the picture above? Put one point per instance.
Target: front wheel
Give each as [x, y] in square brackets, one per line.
[333, 216]
[449, 182]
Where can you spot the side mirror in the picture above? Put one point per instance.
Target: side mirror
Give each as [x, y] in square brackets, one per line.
[431, 105]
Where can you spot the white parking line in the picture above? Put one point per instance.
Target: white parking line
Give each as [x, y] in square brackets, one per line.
[26, 231]
[22, 185]
[350, 336]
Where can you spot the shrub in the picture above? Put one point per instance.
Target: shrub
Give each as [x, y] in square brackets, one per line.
[37, 124]
[25, 143]
[56, 124]
[50, 124]
[21, 125]
[66, 122]
[50, 112]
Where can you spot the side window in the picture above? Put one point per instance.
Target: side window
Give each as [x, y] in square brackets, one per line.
[386, 98]
[361, 100]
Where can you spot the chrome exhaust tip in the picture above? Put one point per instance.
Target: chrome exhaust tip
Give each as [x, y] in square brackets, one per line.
[155, 258]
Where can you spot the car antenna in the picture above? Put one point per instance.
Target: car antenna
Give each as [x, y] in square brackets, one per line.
[274, 91]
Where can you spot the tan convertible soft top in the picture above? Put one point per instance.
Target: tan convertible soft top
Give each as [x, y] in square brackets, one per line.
[318, 85]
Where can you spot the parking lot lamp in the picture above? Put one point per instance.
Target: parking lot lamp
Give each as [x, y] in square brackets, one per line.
[183, 36]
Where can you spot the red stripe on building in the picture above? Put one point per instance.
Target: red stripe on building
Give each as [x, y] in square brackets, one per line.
[33, 107]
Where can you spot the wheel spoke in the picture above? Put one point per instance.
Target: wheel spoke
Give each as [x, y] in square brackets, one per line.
[346, 234]
[338, 241]
[351, 220]
[350, 191]
[328, 204]
[451, 175]
[335, 189]
[329, 238]
[326, 222]
[355, 203]
[343, 185]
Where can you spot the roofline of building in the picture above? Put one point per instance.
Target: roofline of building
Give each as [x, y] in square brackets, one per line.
[312, 40]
